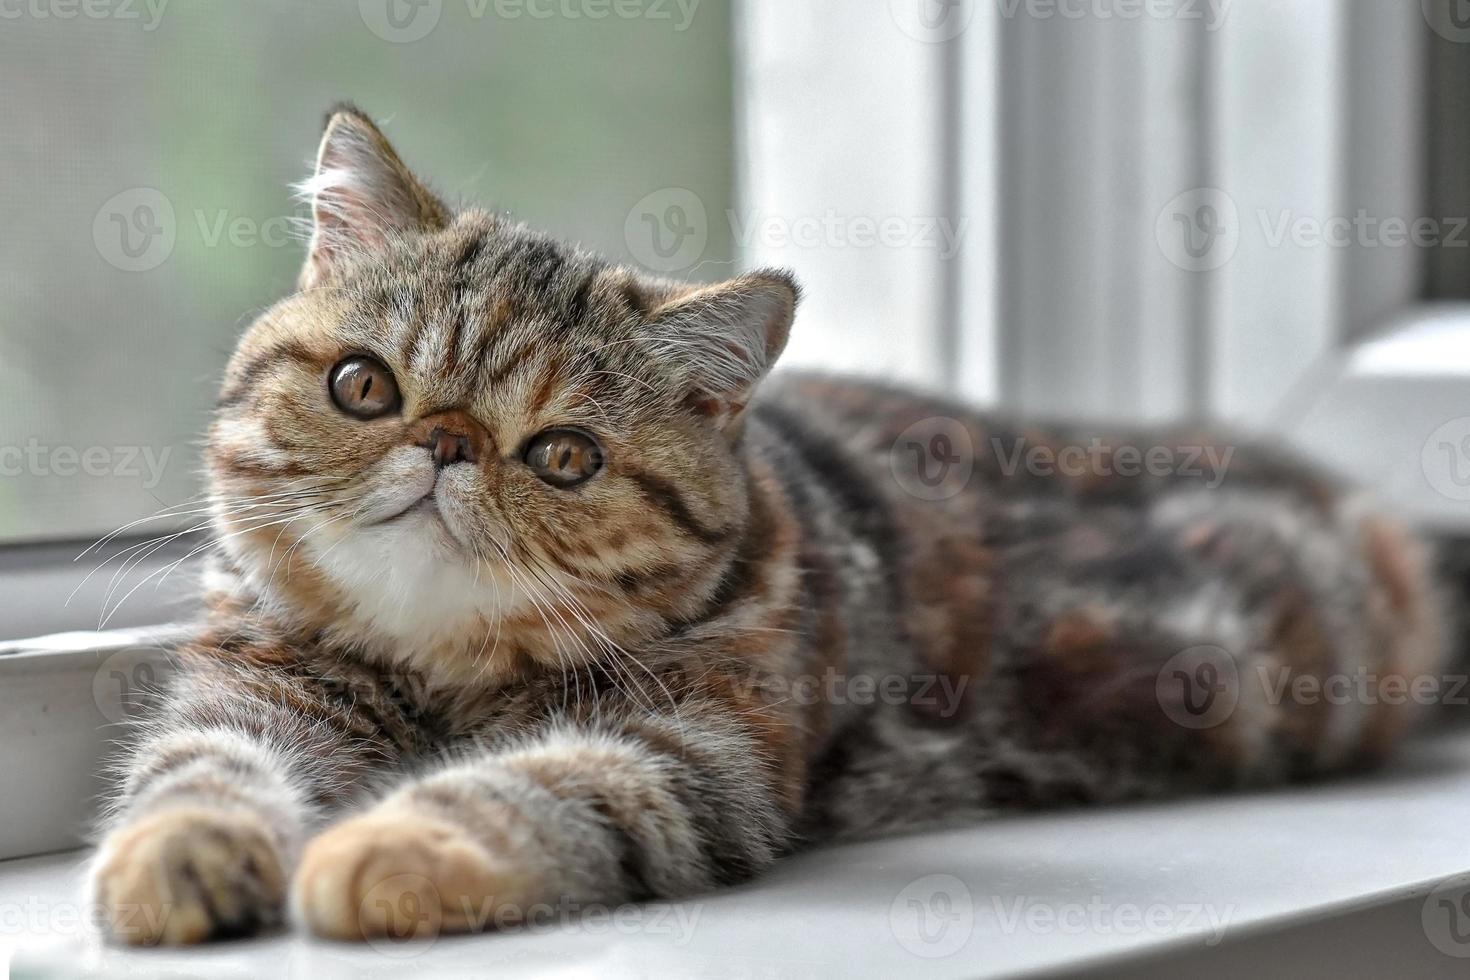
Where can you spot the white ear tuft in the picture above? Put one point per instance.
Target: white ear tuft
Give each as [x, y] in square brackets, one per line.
[360, 194]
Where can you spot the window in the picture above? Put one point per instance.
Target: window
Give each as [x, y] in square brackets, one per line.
[1181, 209]
[149, 154]
[1175, 210]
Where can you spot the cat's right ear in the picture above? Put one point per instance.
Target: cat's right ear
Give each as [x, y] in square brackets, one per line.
[361, 194]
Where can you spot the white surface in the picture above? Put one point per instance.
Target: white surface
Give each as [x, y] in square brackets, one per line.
[1432, 341]
[1039, 893]
[1395, 414]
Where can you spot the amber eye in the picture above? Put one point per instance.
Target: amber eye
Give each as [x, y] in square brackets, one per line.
[363, 388]
[564, 457]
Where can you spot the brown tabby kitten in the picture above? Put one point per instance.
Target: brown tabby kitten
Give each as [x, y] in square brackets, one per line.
[502, 534]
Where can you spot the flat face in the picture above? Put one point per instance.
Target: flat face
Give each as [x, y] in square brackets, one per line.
[127, 275]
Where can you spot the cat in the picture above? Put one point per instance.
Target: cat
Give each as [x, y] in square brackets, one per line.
[519, 594]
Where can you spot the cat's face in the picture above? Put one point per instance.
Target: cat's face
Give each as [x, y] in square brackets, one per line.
[463, 439]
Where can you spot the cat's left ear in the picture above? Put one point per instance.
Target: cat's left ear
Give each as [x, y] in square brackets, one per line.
[361, 194]
[725, 338]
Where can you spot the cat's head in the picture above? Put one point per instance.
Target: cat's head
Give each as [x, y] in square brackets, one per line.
[461, 435]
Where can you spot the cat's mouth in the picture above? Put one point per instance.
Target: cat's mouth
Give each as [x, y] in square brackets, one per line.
[427, 505]
[429, 510]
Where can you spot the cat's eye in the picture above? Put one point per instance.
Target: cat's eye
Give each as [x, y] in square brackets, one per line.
[564, 457]
[364, 388]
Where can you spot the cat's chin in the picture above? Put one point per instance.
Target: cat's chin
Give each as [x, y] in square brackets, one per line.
[426, 518]
[410, 583]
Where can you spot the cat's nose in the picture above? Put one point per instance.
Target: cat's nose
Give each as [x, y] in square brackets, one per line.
[449, 447]
[451, 437]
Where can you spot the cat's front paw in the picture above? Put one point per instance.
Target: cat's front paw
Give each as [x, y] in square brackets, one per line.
[401, 873]
[188, 874]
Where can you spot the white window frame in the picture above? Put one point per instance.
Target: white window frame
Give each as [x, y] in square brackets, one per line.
[1058, 309]
[67, 701]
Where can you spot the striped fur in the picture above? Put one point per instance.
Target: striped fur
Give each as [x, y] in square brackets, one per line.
[741, 635]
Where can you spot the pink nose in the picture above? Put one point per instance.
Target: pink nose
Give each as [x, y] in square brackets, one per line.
[452, 437]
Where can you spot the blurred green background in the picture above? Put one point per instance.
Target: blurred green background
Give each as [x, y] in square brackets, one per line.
[113, 339]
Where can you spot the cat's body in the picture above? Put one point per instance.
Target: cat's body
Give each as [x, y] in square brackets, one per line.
[504, 541]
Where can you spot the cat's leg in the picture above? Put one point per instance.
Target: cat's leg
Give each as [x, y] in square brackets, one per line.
[653, 808]
[218, 796]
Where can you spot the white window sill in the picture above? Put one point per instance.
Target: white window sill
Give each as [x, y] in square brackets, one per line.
[1393, 413]
[1333, 880]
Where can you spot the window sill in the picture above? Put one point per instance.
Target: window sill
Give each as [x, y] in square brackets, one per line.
[1394, 414]
[1332, 880]
[64, 702]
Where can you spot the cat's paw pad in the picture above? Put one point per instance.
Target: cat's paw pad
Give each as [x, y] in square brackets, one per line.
[186, 875]
[402, 874]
